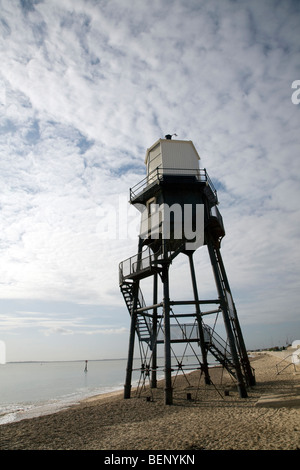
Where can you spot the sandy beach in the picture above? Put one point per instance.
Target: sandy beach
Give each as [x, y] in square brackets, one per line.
[215, 418]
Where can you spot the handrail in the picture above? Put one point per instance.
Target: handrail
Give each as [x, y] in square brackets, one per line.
[289, 364]
[216, 340]
[137, 263]
[159, 173]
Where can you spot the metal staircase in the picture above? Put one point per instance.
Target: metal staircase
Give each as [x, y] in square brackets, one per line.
[219, 349]
[143, 327]
[228, 305]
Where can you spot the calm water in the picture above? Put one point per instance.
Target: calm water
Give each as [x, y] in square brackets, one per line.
[33, 389]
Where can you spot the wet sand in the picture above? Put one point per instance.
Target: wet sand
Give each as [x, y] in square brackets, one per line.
[269, 419]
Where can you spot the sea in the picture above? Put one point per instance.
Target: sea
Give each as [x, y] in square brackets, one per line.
[31, 389]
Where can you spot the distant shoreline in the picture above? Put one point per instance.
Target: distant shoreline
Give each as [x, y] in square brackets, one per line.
[62, 360]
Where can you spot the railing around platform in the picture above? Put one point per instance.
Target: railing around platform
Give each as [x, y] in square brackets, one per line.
[200, 175]
[137, 263]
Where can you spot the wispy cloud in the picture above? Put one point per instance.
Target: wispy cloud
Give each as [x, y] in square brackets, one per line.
[58, 323]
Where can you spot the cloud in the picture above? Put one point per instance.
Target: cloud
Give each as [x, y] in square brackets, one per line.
[59, 323]
[88, 86]
[100, 331]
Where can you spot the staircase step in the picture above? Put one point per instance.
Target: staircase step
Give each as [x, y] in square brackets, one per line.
[142, 327]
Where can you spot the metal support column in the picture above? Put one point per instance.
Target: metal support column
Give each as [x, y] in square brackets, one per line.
[154, 335]
[127, 386]
[204, 363]
[167, 337]
[135, 295]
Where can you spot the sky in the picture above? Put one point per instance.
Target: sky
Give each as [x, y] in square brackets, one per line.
[86, 86]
